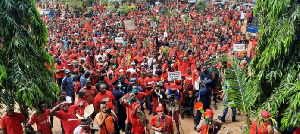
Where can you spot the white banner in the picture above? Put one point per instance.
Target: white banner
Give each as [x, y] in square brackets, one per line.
[165, 34]
[239, 47]
[174, 76]
[129, 25]
[119, 39]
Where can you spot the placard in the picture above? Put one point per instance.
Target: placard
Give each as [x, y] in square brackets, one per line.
[119, 39]
[174, 76]
[239, 47]
[165, 34]
[129, 25]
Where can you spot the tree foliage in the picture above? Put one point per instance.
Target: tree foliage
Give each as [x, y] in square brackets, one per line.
[24, 77]
[274, 84]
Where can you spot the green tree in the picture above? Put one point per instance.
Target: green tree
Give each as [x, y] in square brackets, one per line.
[24, 77]
[235, 92]
[273, 82]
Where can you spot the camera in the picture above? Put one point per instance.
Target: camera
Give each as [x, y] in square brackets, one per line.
[108, 111]
[172, 99]
[146, 121]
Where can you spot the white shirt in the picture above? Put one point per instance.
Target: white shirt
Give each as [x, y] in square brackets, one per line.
[77, 130]
[243, 15]
[131, 70]
[102, 56]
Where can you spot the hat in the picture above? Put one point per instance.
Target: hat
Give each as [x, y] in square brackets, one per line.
[10, 107]
[57, 60]
[121, 77]
[159, 109]
[188, 68]
[190, 92]
[86, 122]
[265, 114]
[76, 70]
[67, 71]
[132, 80]
[88, 72]
[173, 86]
[206, 80]
[135, 91]
[92, 72]
[132, 64]
[209, 113]
[144, 57]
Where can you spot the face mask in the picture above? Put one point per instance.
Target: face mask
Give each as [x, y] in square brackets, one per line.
[135, 90]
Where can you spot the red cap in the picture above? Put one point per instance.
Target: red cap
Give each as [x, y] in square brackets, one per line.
[160, 109]
[144, 57]
[265, 114]
[76, 70]
[188, 68]
[92, 72]
[190, 92]
[173, 86]
[177, 81]
[209, 113]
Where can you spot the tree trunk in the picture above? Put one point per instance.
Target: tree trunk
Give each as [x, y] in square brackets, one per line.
[25, 114]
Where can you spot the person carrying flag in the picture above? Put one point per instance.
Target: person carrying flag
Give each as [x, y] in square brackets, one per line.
[208, 125]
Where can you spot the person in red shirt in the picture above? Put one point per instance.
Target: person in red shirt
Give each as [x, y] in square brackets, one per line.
[157, 97]
[104, 95]
[127, 100]
[187, 80]
[109, 80]
[11, 122]
[185, 64]
[149, 84]
[64, 113]
[262, 127]
[41, 119]
[82, 96]
[60, 71]
[138, 119]
[162, 123]
[90, 90]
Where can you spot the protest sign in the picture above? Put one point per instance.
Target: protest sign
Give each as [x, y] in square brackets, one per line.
[174, 76]
[238, 47]
[119, 39]
[129, 25]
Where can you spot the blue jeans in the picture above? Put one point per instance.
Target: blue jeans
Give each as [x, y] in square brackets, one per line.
[149, 100]
[226, 110]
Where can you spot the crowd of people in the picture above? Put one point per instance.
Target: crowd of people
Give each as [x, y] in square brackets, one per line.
[123, 79]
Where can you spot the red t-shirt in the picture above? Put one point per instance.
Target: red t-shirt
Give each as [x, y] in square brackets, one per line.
[260, 130]
[13, 124]
[99, 97]
[138, 127]
[109, 82]
[60, 74]
[149, 82]
[81, 109]
[91, 93]
[128, 111]
[42, 121]
[141, 96]
[69, 126]
[167, 127]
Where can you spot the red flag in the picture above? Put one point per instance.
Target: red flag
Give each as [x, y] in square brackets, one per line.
[88, 26]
